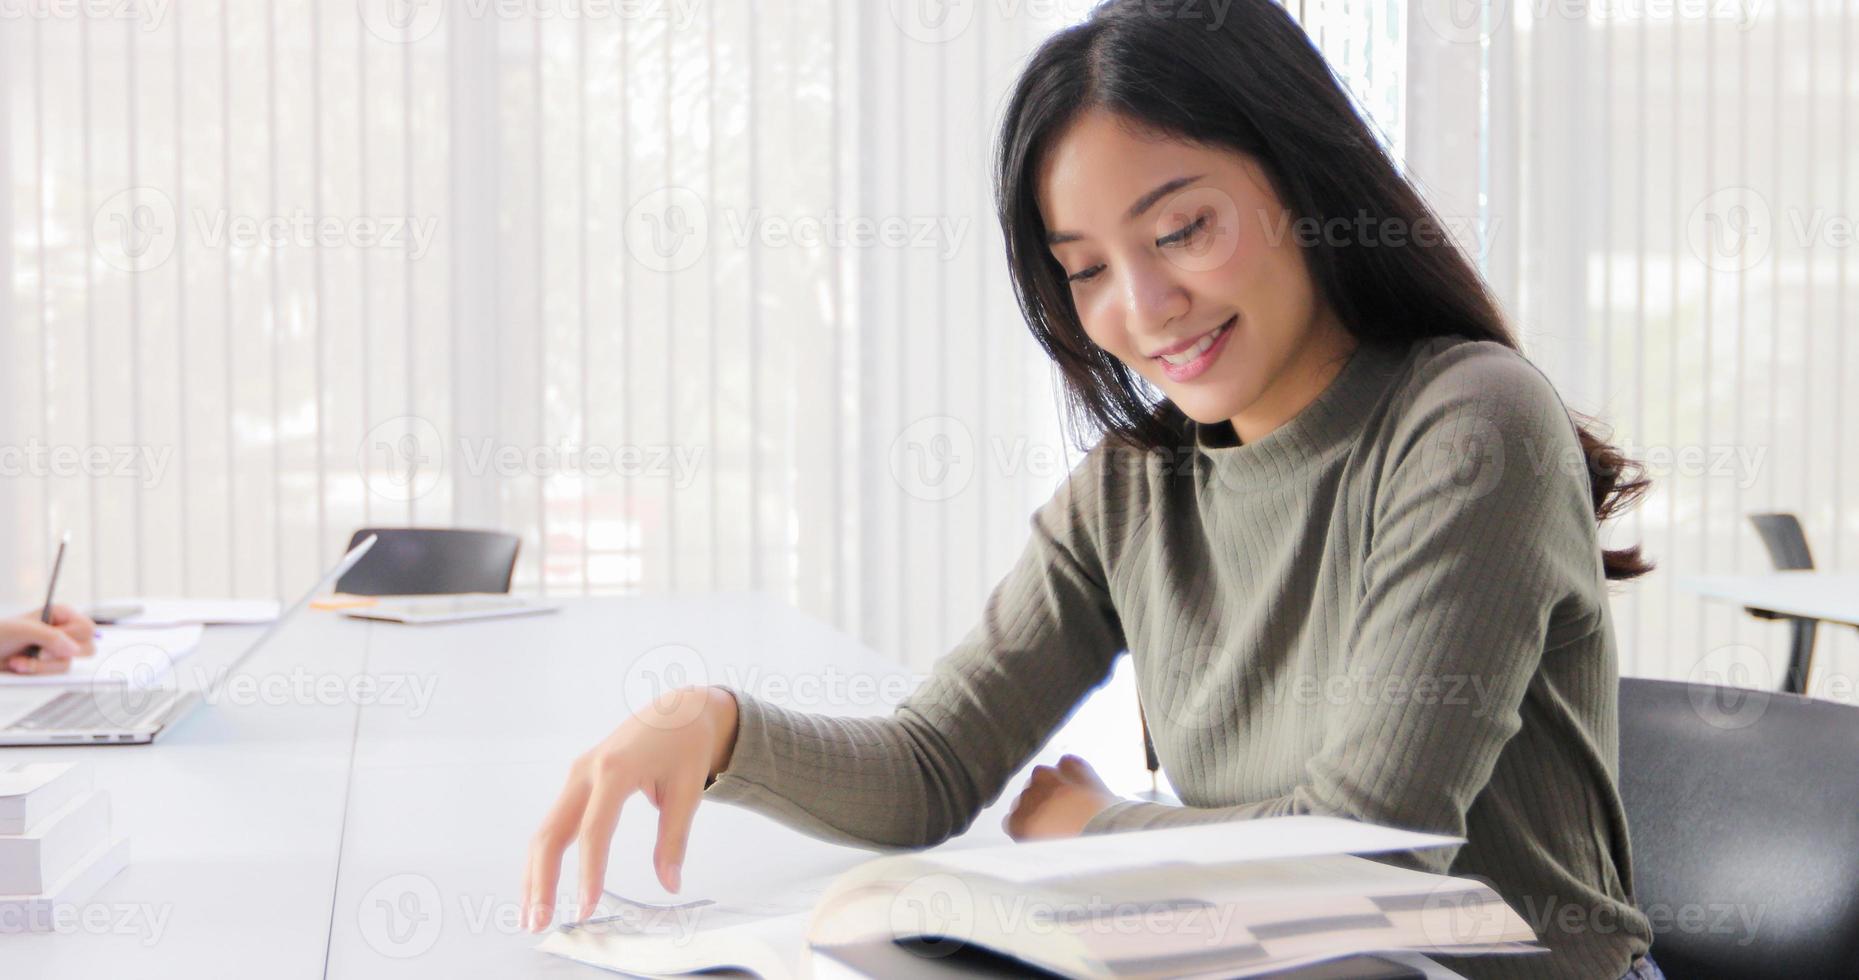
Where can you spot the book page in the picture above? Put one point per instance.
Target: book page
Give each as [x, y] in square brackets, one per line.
[765, 935]
[1205, 844]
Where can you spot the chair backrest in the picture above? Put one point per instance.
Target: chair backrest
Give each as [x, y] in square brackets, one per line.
[1743, 811]
[1787, 543]
[432, 561]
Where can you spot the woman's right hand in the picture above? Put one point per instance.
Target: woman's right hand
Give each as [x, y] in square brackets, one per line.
[68, 635]
[668, 752]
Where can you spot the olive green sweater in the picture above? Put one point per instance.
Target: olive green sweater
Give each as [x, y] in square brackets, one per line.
[1390, 609]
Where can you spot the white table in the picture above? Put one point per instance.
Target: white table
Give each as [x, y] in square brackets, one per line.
[304, 828]
[1829, 596]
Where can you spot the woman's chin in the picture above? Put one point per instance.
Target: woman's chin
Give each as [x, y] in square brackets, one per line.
[1209, 408]
[1202, 416]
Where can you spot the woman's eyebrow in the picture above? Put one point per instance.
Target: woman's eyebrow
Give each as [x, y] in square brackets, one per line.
[1142, 204]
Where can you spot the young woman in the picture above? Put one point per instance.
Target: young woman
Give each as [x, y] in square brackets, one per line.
[1347, 533]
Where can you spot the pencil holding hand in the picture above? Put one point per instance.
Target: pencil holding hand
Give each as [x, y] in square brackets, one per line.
[45, 643]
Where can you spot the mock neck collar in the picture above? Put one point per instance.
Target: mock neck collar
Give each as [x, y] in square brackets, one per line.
[1331, 423]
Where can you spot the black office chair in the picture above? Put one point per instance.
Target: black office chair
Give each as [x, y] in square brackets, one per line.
[431, 561]
[1787, 545]
[1743, 803]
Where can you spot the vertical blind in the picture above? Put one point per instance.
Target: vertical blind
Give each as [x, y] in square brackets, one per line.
[1664, 197]
[709, 295]
[689, 295]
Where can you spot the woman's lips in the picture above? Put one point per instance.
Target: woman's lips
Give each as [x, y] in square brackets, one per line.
[1205, 359]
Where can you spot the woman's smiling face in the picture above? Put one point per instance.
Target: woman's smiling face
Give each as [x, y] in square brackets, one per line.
[1181, 262]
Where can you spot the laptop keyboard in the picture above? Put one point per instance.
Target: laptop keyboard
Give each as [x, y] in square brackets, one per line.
[91, 710]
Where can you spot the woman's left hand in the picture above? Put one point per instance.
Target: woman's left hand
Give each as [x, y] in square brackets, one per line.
[1058, 801]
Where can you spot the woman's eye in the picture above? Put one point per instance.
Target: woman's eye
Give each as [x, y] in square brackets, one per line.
[1188, 231]
[1085, 275]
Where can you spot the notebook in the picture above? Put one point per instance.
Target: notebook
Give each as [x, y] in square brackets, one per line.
[130, 656]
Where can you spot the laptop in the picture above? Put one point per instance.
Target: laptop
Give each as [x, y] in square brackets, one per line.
[124, 714]
[419, 610]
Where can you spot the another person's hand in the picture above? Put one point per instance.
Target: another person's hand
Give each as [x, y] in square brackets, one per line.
[1058, 801]
[667, 752]
[70, 634]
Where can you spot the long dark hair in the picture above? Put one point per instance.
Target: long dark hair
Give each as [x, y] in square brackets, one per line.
[1249, 80]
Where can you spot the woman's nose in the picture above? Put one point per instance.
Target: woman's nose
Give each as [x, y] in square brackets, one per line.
[1152, 298]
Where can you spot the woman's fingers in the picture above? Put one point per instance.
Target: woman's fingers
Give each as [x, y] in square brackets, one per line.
[597, 824]
[54, 653]
[20, 633]
[1027, 803]
[78, 627]
[540, 875]
[668, 764]
[44, 663]
[677, 807]
[1011, 822]
[545, 853]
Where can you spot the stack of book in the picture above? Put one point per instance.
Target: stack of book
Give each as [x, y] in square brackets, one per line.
[56, 843]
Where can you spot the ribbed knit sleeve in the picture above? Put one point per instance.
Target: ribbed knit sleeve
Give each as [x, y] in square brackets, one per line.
[1479, 528]
[1048, 634]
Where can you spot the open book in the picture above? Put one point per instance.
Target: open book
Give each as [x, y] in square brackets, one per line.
[1218, 900]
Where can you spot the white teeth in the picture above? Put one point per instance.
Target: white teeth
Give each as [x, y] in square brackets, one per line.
[1188, 356]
